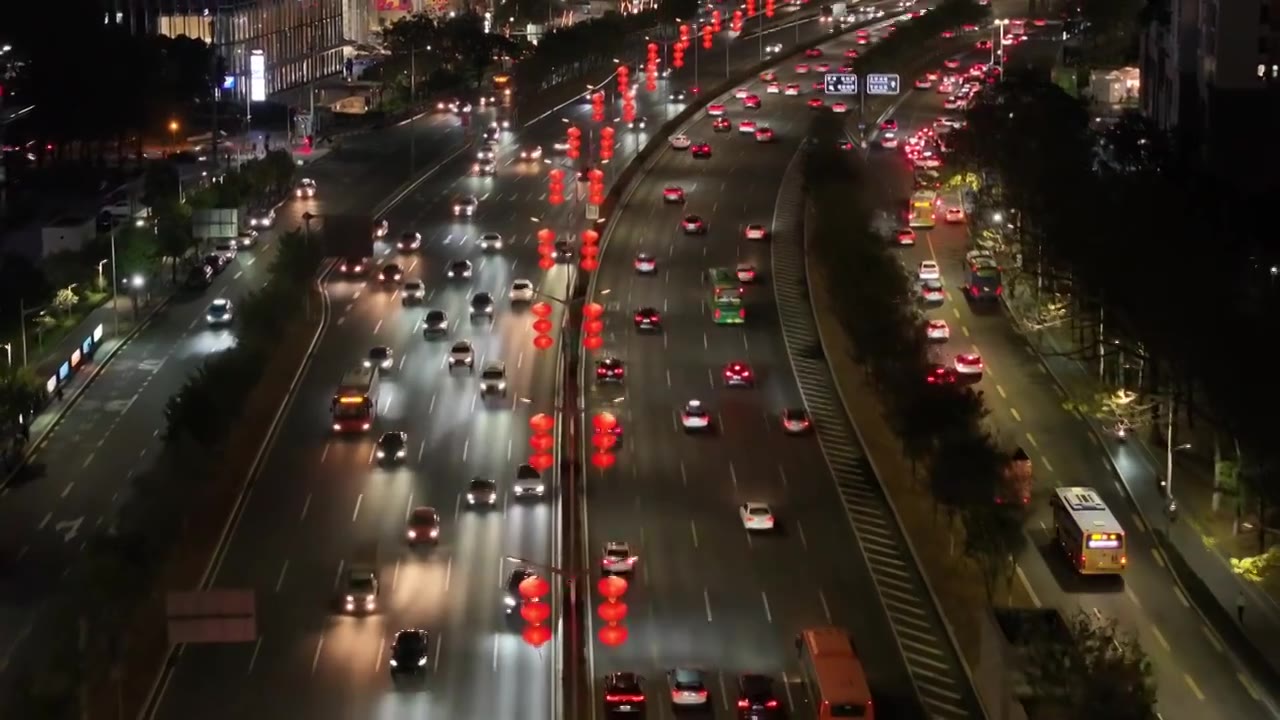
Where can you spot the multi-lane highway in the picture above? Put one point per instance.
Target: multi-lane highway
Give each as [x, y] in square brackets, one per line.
[1197, 677]
[112, 432]
[322, 504]
[705, 593]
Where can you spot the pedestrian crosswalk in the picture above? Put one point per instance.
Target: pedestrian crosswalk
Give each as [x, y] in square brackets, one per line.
[941, 681]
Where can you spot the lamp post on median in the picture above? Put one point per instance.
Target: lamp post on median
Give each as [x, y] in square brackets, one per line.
[997, 29]
[8, 349]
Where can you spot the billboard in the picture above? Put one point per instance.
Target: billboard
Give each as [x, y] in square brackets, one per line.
[257, 76]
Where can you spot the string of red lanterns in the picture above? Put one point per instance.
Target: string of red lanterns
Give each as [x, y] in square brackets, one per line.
[612, 610]
[706, 37]
[590, 250]
[768, 8]
[604, 438]
[735, 23]
[597, 106]
[533, 610]
[651, 68]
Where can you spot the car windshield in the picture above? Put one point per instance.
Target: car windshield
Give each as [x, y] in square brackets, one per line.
[435, 316]
[360, 584]
[686, 683]
[481, 300]
[461, 348]
[527, 472]
[615, 553]
[482, 485]
[424, 516]
[758, 510]
[380, 353]
[410, 643]
[491, 374]
[392, 440]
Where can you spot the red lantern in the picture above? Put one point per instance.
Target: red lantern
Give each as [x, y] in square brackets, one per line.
[604, 421]
[542, 326]
[545, 235]
[590, 251]
[613, 635]
[628, 113]
[542, 461]
[592, 310]
[603, 441]
[542, 342]
[546, 249]
[768, 8]
[593, 326]
[590, 237]
[532, 588]
[751, 7]
[541, 309]
[706, 37]
[546, 263]
[589, 265]
[591, 342]
[651, 85]
[555, 199]
[542, 423]
[573, 131]
[677, 57]
[612, 587]
[603, 460]
[612, 612]
[542, 443]
[652, 49]
[534, 612]
[715, 21]
[597, 198]
[596, 175]
[684, 33]
[536, 635]
[735, 24]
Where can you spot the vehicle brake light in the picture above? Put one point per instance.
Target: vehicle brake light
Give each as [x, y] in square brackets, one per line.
[618, 698]
[746, 373]
[742, 314]
[639, 317]
[771, 703]
[742, 703]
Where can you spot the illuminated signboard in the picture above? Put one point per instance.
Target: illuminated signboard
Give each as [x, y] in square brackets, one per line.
[75, 358]
[257, 76]
[51, 384]
[64, 371]
[1104, 541]
[86, 347]
[97, 333]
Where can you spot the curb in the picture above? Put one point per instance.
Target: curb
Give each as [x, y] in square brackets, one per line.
[37, 444]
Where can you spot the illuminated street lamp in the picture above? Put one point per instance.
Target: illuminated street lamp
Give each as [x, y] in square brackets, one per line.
[173, 135]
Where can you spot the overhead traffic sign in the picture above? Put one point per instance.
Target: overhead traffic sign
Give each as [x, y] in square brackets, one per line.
[882, 84]
[840, 84]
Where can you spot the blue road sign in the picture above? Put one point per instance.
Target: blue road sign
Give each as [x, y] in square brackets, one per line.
[882, 84]
[840, 84]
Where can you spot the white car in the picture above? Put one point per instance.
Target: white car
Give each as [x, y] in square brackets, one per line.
[560, 145]
[465, 206]
[773, 49]
[227, 249]
[715, 109]
[953, 103]
[839, 107]
[646, 264]
[521, 291]
[741, 93]
[888, 140]
[773, 88]
[533, 152]
[695, 417]
[792, 89]
[490, 242]
[747, 126]
[969, 364]
[954, 215]
[937, 330]
[680, 142]
[755, 516]
[756, 231]
[462, 355]
[413, 291]
[219, 312]
[617, 558]
[929, 270]
[306, 188]
[529, 483]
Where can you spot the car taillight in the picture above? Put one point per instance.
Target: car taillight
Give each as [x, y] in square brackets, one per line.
[743, 703]
[746, 373]
[771, 703]
[620, 698]
[742, 314]
[639, 317]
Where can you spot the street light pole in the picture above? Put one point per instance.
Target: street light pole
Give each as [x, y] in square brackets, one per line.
[115, 286]
[8, 349]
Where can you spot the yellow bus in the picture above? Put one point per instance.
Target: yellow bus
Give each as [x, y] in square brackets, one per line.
[1087, 532]
[924, 203]
[833, 674]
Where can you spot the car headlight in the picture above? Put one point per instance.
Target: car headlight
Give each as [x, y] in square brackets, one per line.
[336, 426]
[471, 498]
[509, 601]
[502, 385]
[399, 453]
[350, 599]
[210, 318]
[368, 364]
[541, 489]
[381, 455]
[412, 534]
[422, 661]
[434, 533]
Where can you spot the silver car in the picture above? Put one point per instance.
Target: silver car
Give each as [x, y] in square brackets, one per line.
[413, 291]
[529, 484]
[493, 379]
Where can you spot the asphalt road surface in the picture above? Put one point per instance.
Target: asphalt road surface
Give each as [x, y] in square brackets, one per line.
[1197, 677]
[323, 504]
[82, 472]
[706, 593]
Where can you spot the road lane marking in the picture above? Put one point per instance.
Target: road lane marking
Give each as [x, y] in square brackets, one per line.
[315, 660]
[45, 521]
[435, 664]
[1192, 684]
[395, 574]
[706, 601]
[283, 569]
[1156, 555]
[448, 573]
[1047, 465]
[1022, 578]
[356, 512]
[668, 378]
[684, 478]
[1000, 390]
[803, 540]
[733, 476]
[826, 609]
[254, 657]
[1160, 637]
[1142, 527]
[324, 453]
[377, 327]
[1032, 439]
[88, 460]
[1248, 687]
[786, 685]
[1016, 416]
[767, 614]
[1213, 638]
[711, 379]
[421, 449]
[782, 472]
[67, 490]
[466, 445]
[430, 410]
[306, 505]
[724, 693]
[693, 527]
[377, 662]
[495, 653]
[1129, 591]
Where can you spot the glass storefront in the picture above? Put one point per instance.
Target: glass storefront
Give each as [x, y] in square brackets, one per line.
[301, 39]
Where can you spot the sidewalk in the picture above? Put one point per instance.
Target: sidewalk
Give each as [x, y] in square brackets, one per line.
[47, 364]
[1199, 545]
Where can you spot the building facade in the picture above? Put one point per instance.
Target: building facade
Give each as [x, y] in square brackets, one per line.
[301, 40]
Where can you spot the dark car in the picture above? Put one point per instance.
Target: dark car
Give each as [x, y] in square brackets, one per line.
[795, 421]
[756, 699]
[392, 447]
[647, 318]
[353, 265]
[700, 150]
[609, 369]
[216, 262]
[482, 492]
[199, 276]
[678, 96]
[511, 590]
[409, 241]
[391, 273]
[722, 124]
[623, 693]
[563, 251]
[435, 323]
[410, 653]
[482, 306]
[423, 526]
